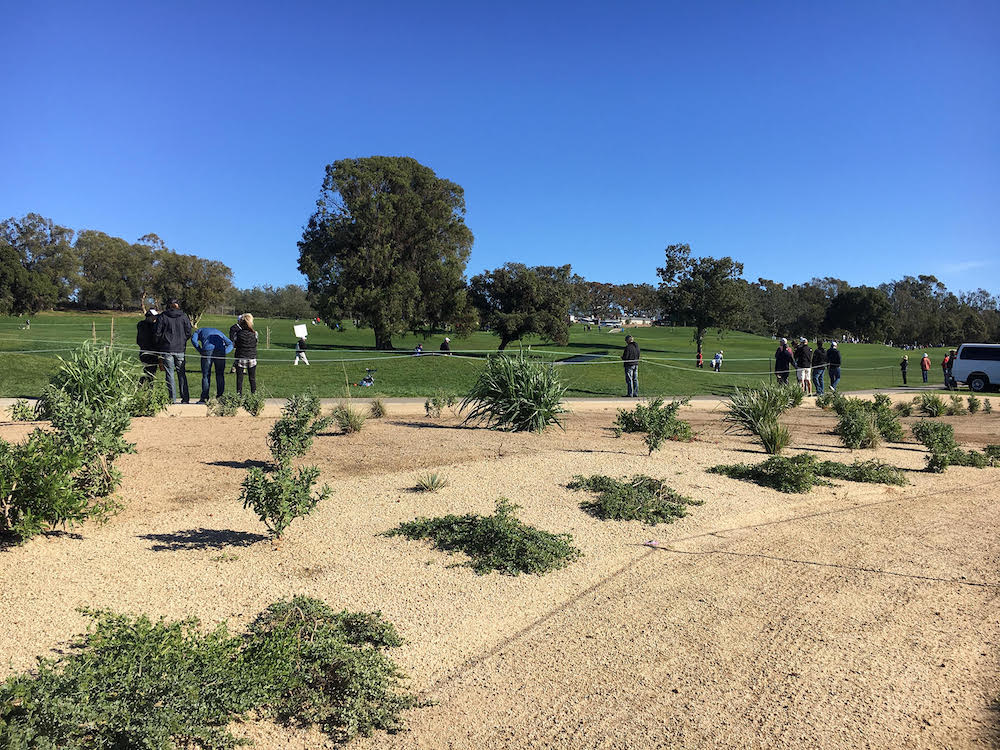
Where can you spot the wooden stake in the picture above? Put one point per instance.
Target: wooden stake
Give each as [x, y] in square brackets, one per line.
[268, 338]
[93, 330]
[112, 330]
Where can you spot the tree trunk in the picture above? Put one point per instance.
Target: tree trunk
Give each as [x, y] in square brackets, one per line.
[699, 336]
[383, 339]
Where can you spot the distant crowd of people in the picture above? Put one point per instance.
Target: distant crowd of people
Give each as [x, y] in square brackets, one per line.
[810, 366]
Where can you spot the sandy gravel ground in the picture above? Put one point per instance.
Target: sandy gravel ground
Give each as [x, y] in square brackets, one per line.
[852, 617]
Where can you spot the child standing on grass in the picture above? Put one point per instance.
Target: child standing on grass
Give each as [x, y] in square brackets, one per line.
[300, 350]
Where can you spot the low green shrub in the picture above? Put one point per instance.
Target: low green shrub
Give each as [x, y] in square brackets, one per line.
[640, 498]
[292, 434]
[796, 474]
[825, 401]
[987, 406]
[975, 404]
[134, 683]
[657, 420]
[348, 418]
[432, 481]
[904, 409]
[436, 404]
[930, 404]
[376, 409]
[516, 394]
[956, 406]
[872, 472]
[254, 403]
[281, 497]
[22, 411]
[939, 439]
[864, 424]
[150, 400]
[226, 405]
[499, 542]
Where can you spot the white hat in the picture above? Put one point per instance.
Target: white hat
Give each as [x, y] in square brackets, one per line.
[784, 341]
[447, 339]
[833, 344]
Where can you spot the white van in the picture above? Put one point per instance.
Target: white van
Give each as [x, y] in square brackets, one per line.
[978, 366]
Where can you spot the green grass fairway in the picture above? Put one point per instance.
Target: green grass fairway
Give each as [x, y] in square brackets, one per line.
[27, 359]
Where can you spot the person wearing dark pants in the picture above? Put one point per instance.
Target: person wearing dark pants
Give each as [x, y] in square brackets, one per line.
[145, 338]
[818, 367]
[245, 341]
[904, 364]
[173, 329]
[833, 365]
[925, 366]
[213, 346]
[630, 358]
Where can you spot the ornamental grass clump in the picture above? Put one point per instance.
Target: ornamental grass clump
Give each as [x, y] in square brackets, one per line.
[292, 434]
[755, 411]
[987, 406]
[639, 498]
[499, 542]
[975, 404]
[131, 682]
[930, 404]
[658, 421]
[432, 481]
[377, 409]
[956, 406]
[281, 497]
[516, 394]
[348, 418]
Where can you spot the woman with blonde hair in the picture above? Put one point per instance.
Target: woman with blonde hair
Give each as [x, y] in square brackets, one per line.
[245, 341]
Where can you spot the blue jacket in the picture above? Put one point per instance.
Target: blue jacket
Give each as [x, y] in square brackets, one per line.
[211, 342]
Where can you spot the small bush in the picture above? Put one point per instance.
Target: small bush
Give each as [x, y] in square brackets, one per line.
[282, 497]
[956, 406]
[939, 439]
[434, 405]
[498, 543]
[640, 498]
[516, 394]
[904, 409]
[657, 420]
[987, 406]
[864, 424]
[825, 401]
[348, 418]
[432, 481]
[873, 472]
[755, 411]
[975, 404]
[134, 683]
[225, 406]
[376, 409]
[993, 453]
[22, 411]
[254, 403]
[796, 474]
[774, 437]
[292, 434]
[930, 404]
[150, 400]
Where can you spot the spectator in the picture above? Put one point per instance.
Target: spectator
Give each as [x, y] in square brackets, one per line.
[952, 383]
[418, 350]
[300, 350]
[213, 347]
[784, 361]
[833, 365]
[145, 339]
[446, 346]
[944, 370]
[904, 364]
[803, 364]
[173, 329]
[818, 367]
[245, 341]
[925, 366]
[630, 358]
[699, 361]
[717, 361]
[233, 330]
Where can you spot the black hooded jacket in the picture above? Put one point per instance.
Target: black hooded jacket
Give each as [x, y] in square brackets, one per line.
[631, 354]
[173, 329]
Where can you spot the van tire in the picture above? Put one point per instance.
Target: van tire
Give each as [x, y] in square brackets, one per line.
[978, 382]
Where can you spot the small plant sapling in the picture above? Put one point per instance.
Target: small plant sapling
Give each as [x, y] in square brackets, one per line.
[282, 497]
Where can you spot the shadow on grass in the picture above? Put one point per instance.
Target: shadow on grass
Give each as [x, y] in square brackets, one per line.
[202, 539]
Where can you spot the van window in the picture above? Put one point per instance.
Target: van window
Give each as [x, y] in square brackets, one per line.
[990, 353]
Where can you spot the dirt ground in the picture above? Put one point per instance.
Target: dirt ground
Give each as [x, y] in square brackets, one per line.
[856, 616]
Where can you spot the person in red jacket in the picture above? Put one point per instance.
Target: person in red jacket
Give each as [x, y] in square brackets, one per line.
[944, 369]
[925, 366]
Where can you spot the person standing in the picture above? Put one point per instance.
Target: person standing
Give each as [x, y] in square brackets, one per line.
[245, 342]
[833, 365]
[213, 346]
[950, 377]
[300, 350]
[944, 371]
[803, 364]
[717, 361]
[784, 361]
[818, 367]
[904, 364]
[233, 330]
[699, 361]
[173, 329]
[145, 339]
[446, 346]
[630, 358]
[925, 366]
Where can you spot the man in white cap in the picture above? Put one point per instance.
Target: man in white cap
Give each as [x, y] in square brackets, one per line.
[803, 364]
[833, 365]
[925, 366]
[446, 346]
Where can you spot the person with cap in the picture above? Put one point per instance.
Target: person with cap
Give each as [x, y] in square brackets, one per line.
[630, 358]
[717, 361]
[784, 361]
[173, 329]
[446, 346]
[925, 366]
[904, 364]
[818, 367]
[833, 365]
[213, 346]
[803, 364]
[145, 339]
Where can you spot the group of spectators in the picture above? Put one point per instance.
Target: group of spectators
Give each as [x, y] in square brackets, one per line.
[162, 339]
[810, 366]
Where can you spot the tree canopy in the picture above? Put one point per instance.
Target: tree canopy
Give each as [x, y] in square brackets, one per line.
[387, 246]
[515, 300]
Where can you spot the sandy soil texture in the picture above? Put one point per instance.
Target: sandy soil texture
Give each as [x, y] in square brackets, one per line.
[855, 616]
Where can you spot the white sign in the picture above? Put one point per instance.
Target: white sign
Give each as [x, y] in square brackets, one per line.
[300, 331]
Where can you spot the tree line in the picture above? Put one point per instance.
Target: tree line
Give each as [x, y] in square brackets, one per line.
[44, 265]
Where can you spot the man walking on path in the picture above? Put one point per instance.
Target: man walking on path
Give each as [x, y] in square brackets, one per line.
[145, 339]
[630, 358]
[784, 361]
[818, 367]
[173, 329]
[833, 365]
[213, 346]
[925, 366]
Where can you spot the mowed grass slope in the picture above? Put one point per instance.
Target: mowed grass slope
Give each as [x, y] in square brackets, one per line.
[28, 358]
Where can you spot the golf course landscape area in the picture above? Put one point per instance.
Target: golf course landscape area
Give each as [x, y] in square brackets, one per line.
[590, 365]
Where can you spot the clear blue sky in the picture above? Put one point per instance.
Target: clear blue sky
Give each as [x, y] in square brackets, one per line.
[852, 139]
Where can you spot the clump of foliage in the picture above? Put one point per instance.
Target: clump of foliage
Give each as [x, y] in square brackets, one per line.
[640, 498]
[434, 405]
[432, 481]
[282, 497]
[134, 683]
[904, 409]
[755, 411]
[796, 474]
[300, 421]
[254, 403]
[376, 409]
[975, 404]
[150, 400]
[499, 542]
[939, 439]
[226, 405]
[516, 394]
[873, 472]
[956, 406]
[864, 424]
[930, 404]
[22, 411]
[348, 418]
[987, 406]
[657, 420]
[825, 402]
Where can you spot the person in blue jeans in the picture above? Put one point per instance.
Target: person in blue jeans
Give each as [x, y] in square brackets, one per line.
[833, 365]
[630, 358]
[173, 329]
[213, 346]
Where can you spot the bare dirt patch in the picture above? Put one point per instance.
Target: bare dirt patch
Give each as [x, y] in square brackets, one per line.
[855, 616]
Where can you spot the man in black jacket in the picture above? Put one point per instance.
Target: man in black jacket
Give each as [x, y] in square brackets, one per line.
[173, 329]
[833, 365]
[803, 364]
[145, 339]
[784, 361]
[818, 367]
[630, 357]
